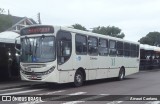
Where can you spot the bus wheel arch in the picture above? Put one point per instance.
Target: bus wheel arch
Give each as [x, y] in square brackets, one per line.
[124, 70]
[121, 74]
[79, 77]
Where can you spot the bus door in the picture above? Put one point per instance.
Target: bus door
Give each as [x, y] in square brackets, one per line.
[64, 50]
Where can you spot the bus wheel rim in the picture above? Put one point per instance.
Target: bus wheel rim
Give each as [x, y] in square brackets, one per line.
[79, 78]
[122, 75]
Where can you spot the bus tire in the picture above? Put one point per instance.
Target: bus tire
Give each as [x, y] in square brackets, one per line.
[121, 74]
[78, 79]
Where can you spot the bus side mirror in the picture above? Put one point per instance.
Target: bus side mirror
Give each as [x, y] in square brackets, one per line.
[16, 45]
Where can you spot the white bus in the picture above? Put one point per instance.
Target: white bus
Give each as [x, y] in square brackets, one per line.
[62, 55]
[149, 57]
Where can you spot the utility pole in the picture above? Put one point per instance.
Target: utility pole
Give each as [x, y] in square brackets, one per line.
[39, 18]
[8, 12]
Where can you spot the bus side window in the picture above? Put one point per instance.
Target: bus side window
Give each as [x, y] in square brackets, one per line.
[112, 48]
[133, 50]
[103, 47]
[92, 46]
[81, 44]
[119, 48]
[126, 49]
[137, 51]
[64, 46]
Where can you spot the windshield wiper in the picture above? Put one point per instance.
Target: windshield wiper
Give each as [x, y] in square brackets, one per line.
[35, 42]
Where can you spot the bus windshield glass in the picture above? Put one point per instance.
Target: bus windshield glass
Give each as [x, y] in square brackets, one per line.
[38, 49]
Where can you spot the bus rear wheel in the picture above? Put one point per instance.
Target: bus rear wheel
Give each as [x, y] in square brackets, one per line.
[121, 74]
[78, 78]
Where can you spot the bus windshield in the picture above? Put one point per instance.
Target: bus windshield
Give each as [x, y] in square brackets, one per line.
[38, 49]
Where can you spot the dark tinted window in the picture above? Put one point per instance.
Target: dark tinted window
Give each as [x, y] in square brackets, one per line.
[137, 51]
[119, 48]
[126, 49]
[81, 44]
[103, 47]
[112, 47]
[133, 50]
[92, 45]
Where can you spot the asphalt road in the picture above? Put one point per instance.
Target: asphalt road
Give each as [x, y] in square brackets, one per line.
[93, 92]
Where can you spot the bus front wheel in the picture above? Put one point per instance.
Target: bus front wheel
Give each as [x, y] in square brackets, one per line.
[78, 78]
[121, 74]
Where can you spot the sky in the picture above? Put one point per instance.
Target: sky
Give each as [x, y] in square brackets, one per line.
[136, 18]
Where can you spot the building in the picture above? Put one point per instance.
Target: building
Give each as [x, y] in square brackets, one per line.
[9, 28]
[17, 22]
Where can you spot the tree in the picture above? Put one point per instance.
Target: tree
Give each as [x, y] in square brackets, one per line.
[111, 31]
[1, 10]
[5, 21]
[80, 27]
[152, 38]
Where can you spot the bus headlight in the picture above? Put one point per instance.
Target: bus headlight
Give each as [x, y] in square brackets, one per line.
[49, 71]
[9, 53]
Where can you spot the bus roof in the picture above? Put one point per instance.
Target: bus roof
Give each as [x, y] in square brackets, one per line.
[149, 47]
[8, 37]
[95, 34]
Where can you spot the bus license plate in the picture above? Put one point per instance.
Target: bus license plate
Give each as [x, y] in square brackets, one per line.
[33, 77]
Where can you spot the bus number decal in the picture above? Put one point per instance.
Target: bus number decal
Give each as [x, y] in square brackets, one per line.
[113, 62]
[93, 58]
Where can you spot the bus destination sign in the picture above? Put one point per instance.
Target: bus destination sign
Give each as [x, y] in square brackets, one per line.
[37, 30]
